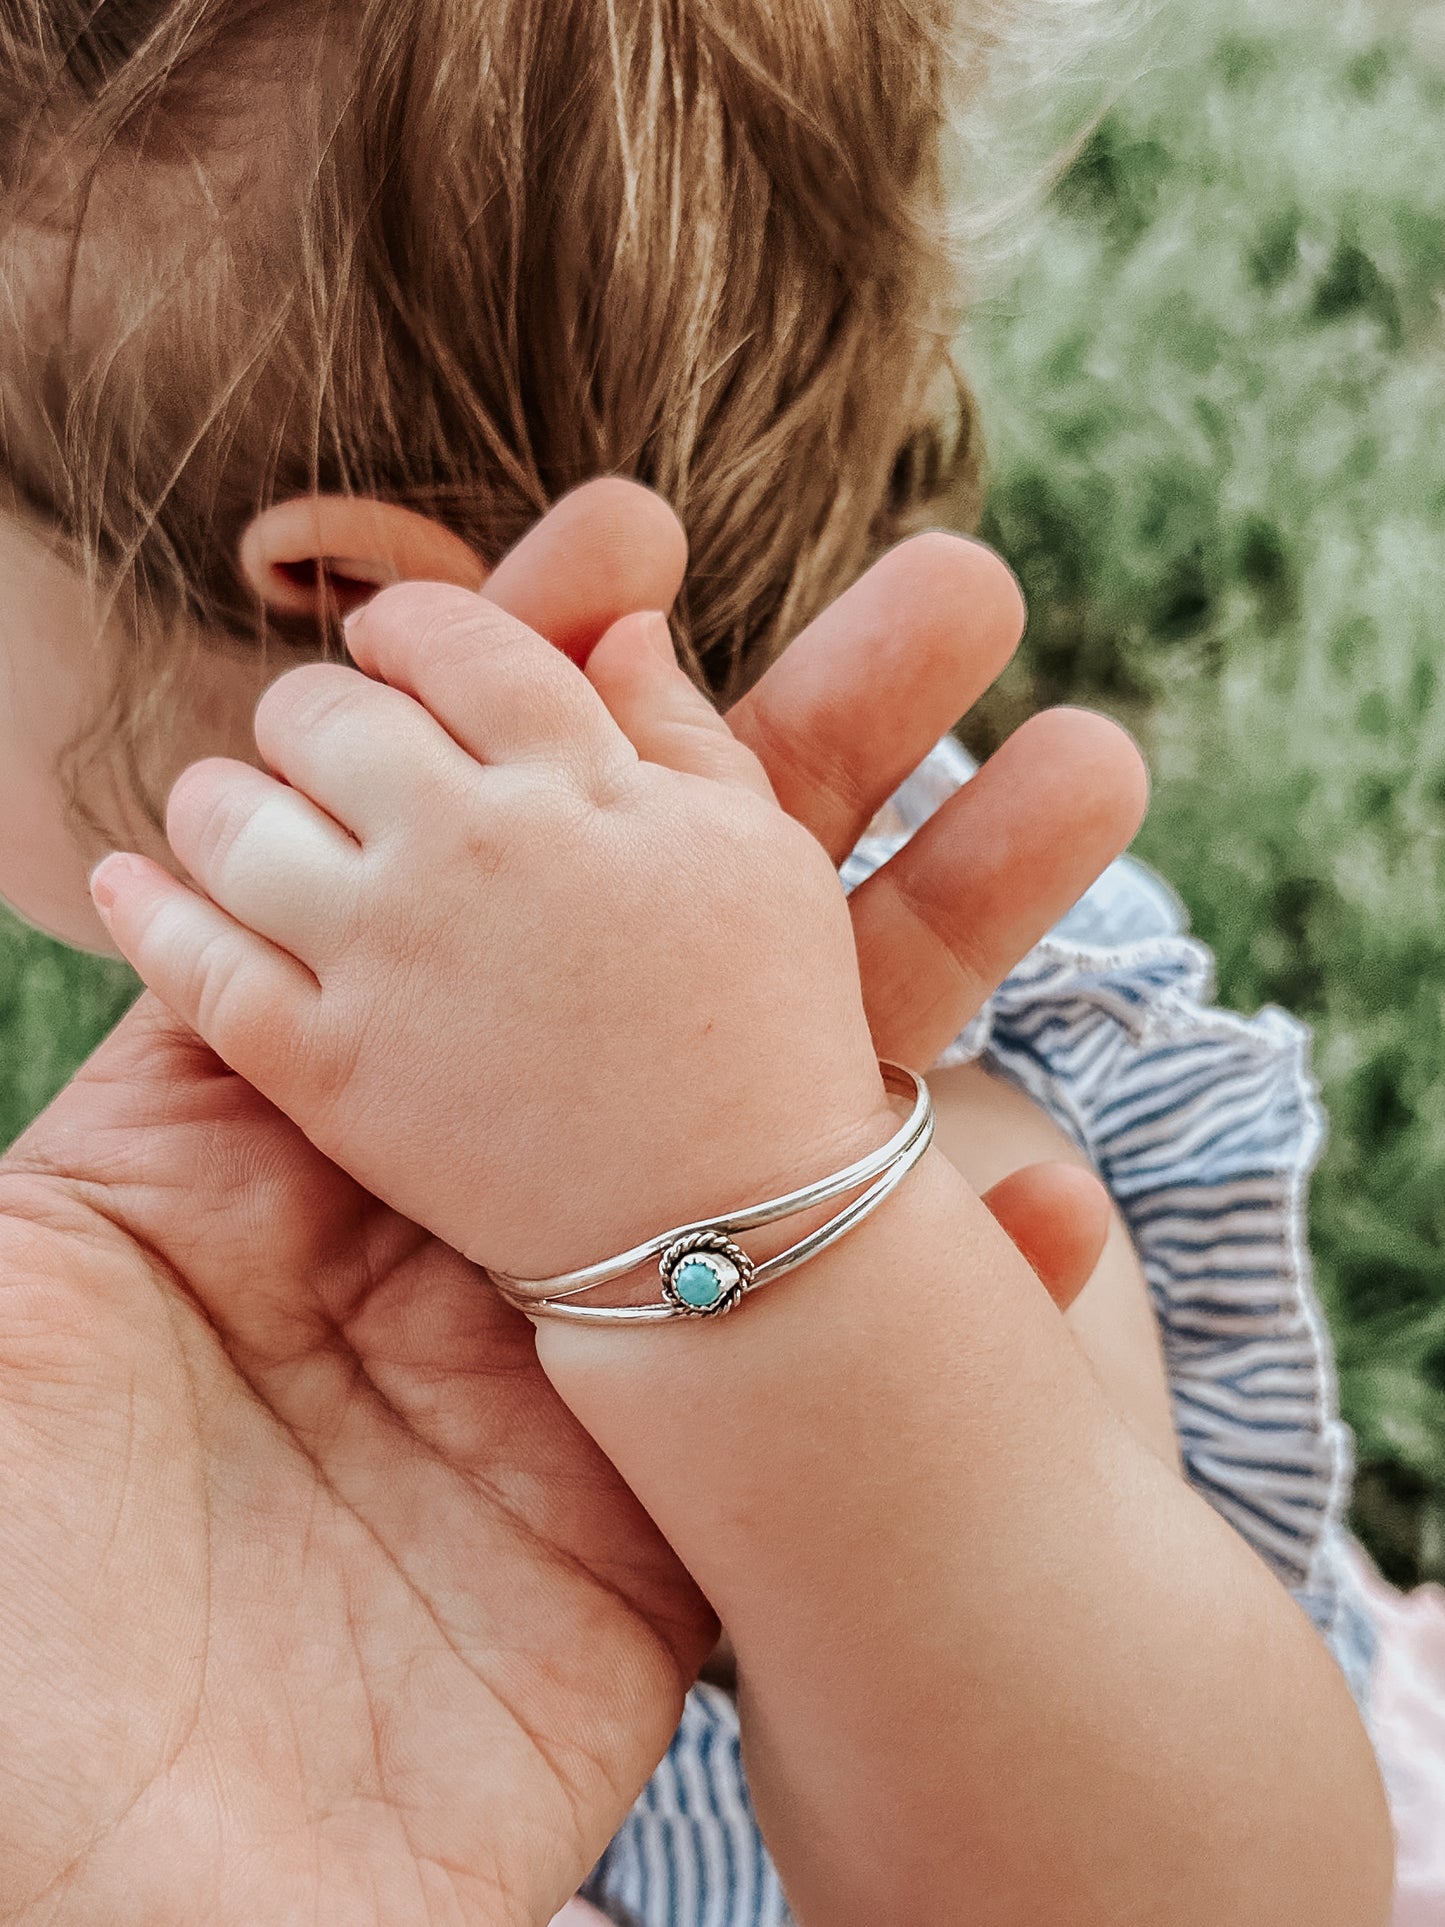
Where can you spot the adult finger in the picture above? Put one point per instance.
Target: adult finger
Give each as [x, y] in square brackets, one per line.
[661, 711]
[863, 694]
[1058, 1215]
[609, 547]
[943, 922]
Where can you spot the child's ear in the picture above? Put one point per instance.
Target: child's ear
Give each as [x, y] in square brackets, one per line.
[341, 549]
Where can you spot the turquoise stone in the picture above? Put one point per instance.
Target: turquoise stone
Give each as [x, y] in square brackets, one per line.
[697, 1284]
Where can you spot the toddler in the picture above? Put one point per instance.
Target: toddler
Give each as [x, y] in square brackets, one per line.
[301, 302]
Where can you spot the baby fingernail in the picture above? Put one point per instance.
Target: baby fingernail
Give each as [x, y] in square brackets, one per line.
[104, 880]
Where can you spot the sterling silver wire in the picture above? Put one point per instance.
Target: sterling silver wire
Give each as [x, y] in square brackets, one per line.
[707, 1245]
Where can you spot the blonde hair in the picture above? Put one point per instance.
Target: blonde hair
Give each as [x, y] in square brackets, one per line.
[465, 255]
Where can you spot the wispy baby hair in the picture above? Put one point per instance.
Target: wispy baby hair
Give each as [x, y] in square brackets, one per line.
[464, 254]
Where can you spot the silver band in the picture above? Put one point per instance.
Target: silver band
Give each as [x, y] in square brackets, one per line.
[706, 1246]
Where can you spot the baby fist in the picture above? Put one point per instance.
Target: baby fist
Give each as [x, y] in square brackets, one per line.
[542, 993]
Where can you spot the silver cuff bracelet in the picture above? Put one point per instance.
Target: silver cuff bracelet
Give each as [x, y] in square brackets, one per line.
[704, 1273]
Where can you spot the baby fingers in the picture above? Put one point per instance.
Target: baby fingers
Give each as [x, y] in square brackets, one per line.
[497, 688]
[371, 758]
[249, 1000]
[267, 856]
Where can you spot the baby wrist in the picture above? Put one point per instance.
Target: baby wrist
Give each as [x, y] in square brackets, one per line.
[701, 1271]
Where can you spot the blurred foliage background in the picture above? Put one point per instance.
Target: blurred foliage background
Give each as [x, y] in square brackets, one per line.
[1216, 402]
[1214, 388]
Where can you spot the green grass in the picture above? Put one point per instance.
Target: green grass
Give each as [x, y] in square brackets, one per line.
[1216, 399]
[55, 1006]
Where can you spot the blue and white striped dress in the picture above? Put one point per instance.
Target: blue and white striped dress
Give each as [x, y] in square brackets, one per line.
[1204, 1125]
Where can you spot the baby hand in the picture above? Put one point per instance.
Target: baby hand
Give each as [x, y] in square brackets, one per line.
[541, 993]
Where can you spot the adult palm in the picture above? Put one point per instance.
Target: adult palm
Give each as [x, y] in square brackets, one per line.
[315, 1607]
[316, 1603]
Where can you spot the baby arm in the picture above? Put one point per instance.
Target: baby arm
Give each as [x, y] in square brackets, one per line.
[548, 996]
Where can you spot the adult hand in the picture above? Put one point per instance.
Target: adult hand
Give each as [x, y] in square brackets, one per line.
[317, 1603]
